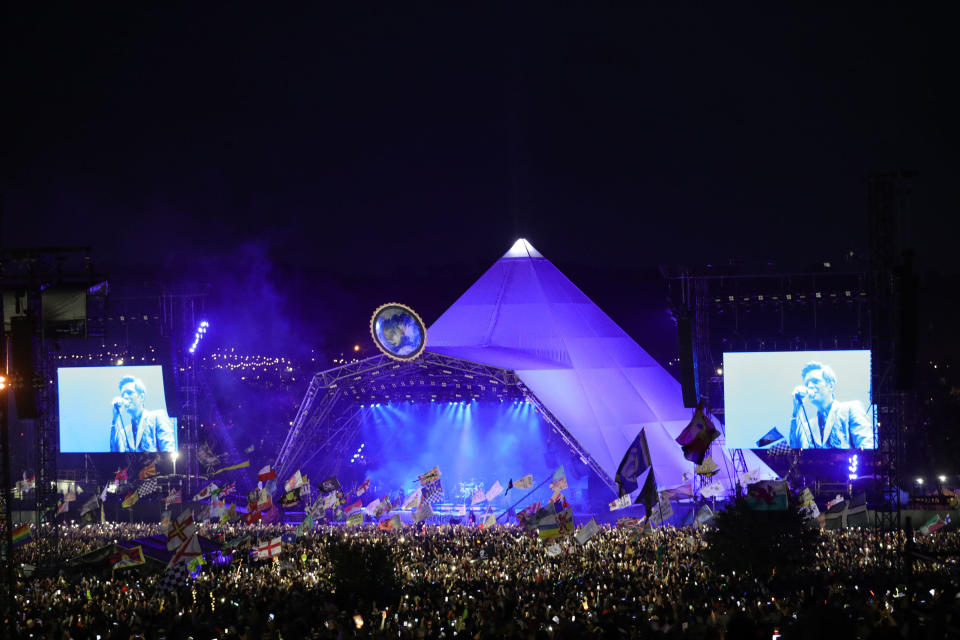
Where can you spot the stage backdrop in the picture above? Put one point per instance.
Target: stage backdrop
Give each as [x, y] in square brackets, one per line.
[86, 403]
[758, 389]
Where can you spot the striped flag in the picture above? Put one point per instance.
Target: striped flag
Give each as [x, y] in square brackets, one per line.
[22, 535]
[239, 465]
[267, 473]
[127, 558]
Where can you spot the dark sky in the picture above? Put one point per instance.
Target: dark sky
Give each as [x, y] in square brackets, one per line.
[320, 151]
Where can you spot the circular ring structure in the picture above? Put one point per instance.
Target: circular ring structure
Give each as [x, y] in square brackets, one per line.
[398, 331]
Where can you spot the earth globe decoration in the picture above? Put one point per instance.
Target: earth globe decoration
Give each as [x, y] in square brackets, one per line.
[398, 331]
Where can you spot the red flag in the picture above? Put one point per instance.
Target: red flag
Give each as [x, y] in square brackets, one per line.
[252, 516]
[148, 471]
[121, 475]
[352, 507]
[267, 474]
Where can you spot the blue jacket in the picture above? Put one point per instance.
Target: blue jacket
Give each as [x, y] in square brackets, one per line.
[846, 426]
[155, 432]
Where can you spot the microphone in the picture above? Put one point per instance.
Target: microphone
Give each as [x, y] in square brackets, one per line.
[117, 403]
[801, 393]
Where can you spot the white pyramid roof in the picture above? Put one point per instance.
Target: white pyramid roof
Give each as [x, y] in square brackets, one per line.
[526, 316]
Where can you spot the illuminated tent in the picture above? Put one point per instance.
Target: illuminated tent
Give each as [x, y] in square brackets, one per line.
[525, 316]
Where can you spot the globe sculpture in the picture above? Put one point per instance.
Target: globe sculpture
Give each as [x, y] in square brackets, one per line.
[398, 331]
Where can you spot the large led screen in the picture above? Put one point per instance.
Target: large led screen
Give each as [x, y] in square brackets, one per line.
[806, 399]
[114, 409]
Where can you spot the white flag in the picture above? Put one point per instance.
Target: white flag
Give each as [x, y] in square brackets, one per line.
[330, 501]
[620, 503]
[412, 500]
[423, 512]
[494, 491]
[712, 490]
[587, 531]
[371, 508]
[553, 550]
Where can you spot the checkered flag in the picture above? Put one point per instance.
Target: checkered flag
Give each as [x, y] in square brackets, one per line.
[433, 492]
[147, 487]
[780, 448]
[173, 578]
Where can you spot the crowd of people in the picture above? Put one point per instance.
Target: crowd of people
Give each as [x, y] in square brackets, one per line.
[466, 582]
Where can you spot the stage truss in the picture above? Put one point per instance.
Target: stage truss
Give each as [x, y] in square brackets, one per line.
[329, 417]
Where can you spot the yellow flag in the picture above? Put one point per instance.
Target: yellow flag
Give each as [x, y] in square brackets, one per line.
[241, 465]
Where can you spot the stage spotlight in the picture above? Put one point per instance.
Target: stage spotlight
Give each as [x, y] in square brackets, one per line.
[942, 478]
[920, 481]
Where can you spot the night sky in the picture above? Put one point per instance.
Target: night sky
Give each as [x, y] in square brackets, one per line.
[313, 162]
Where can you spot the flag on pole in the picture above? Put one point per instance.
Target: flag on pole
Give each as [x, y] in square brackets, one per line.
[174, 497]
[22, 535]
[696, 437]
[130, 500]
[180, 529]
[147, 487]
[89, 505]
[648, 495]
[767, 495]
[294, 482]
[678, 492]
[371, 508]
[127, 558]
[330, 501]
[432, 492]
[489, 521]
[660, 513]
[707, 469]
[635, 462]
[393, 522]
[148, 471]
[210, 490]
[239, 465]
[187, 551]
[620, 503]
[712, 490]
[362, 489]
[355, 519]
[120, 476]
[587, 531]
[350, 508]
[769, 438]
[559, 482]
[267, 473]
[330, 484]
[423, 512]
[494, 491]
[429, 476]
[526, 482]
[412, 500]
[205, 456]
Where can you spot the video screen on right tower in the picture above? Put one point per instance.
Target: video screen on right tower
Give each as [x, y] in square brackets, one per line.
[801, 399]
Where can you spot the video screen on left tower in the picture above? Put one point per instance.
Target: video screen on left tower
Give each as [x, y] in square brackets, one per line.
[120, 409]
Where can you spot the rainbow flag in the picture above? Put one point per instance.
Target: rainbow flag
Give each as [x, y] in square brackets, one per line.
[22, 535]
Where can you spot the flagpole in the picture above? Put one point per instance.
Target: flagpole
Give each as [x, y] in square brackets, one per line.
[549, 478]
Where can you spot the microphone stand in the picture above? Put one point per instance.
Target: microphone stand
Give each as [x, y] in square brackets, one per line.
[807, 420]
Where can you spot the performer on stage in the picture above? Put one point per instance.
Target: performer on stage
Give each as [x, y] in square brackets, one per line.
[829, 423]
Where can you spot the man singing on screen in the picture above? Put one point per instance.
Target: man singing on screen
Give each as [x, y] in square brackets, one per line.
[820, 421]
[137, 429]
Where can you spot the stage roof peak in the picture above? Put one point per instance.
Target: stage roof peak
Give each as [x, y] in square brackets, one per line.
[522, 249]
[523, 315]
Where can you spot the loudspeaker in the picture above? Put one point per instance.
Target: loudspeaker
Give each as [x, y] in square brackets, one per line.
[688, 380]
[21, 365]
